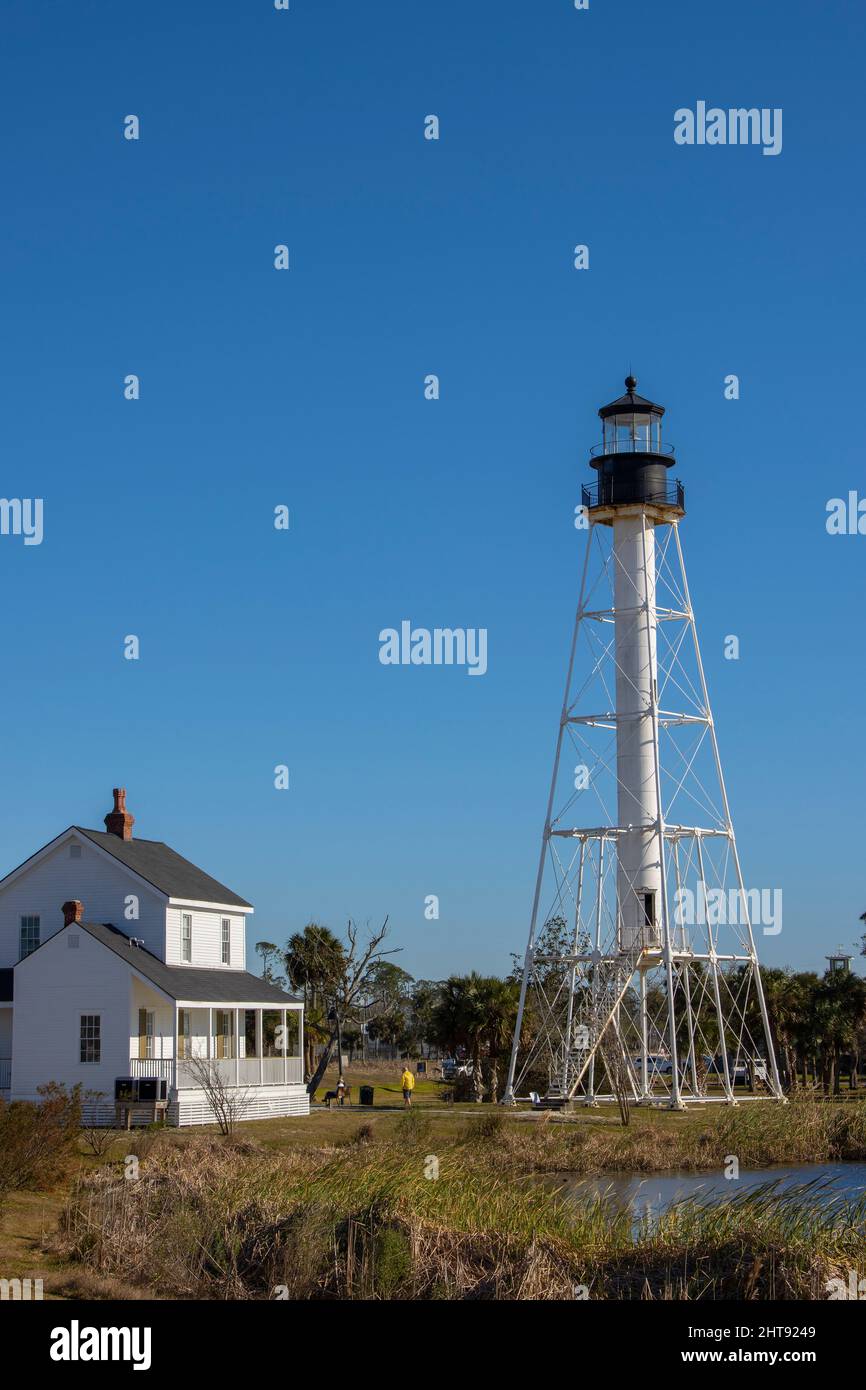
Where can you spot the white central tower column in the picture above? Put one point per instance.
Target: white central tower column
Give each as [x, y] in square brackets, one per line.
[638, 867]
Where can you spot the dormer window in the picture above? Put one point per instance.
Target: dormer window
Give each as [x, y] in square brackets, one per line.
[226, 940]
[186, 936]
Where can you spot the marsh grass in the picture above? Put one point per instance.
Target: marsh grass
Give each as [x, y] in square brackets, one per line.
[804, 1131]
[212, 1219]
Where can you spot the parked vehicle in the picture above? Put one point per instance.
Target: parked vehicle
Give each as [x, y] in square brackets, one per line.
[739, 1071]
[656, 1066]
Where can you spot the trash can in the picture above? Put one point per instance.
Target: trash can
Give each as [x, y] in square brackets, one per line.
[365, 1095]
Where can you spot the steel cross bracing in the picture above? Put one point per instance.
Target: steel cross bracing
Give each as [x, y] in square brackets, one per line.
[680, 1016]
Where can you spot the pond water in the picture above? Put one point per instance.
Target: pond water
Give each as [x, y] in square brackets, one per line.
[649, 1194]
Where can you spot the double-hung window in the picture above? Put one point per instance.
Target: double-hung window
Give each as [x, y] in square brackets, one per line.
[226, 940]
[186, 936]
[29, 938]
[90, 1045]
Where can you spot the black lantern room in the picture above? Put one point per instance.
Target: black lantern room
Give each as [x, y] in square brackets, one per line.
[632, 462]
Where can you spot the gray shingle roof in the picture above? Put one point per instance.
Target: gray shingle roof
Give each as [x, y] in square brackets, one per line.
[166, 870]
[185, 981]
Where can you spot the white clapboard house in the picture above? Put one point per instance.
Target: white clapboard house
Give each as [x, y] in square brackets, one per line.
[119, 958]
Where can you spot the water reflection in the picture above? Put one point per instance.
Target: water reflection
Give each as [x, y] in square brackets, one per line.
[648, 1195]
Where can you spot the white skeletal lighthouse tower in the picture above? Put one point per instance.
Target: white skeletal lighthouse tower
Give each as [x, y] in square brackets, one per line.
[641, 977]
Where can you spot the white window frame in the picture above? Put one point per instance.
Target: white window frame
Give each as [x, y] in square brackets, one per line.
[91, 1040]
[29, 918]
[186, 940]
[226, 940]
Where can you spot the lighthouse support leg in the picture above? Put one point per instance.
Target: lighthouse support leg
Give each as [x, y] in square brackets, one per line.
[714, 971]
[567, 1049]
[644, 1040]
[685, 968]
[508, 1098]
[776, 1084]
[596, 1035]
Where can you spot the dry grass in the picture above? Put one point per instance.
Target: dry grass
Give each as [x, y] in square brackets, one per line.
[805, 1131]
[226, 1220]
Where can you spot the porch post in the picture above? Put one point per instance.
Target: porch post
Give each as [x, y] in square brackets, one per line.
[260, 1046]
[209, 1031]
[237, 1047]
[173, 1069]
[300, 1013]
[285, 1047]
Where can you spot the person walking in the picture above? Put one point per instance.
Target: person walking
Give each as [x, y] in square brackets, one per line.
[407, 1081]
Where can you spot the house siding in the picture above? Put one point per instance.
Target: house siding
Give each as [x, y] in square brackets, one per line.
[53, 988]
[206, 937]
[102, 885]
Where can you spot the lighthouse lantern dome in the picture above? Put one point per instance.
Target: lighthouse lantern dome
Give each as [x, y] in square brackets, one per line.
[632, 424]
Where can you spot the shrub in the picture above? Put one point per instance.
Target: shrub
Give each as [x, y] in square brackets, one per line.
[98, 1138]
[488, 1126]
[413, 1128]
[393, 1260]
[463, 1087]
[37, 1140]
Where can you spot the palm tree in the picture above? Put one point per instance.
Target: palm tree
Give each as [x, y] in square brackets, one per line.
[313, 960]
[788, 1000]
[500, 1005]
[477, 1012]
[841, 1009]
[800, 1009]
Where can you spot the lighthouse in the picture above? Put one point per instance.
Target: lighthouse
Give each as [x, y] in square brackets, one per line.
[640, 979]
[632, 495]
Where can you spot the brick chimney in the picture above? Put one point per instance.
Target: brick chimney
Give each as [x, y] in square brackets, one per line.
[72, 912]
[119, 821]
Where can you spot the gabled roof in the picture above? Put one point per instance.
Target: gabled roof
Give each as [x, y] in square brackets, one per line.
[164, 868]
[216, 986]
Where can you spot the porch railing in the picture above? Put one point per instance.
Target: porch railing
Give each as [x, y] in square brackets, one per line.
[243, 1071]
[152, 1066]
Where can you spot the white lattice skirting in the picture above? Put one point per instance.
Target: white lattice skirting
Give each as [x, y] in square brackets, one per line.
[193, 1109]
[268, 1103]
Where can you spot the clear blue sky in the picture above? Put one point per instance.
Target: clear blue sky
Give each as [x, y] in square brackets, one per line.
[306, 388]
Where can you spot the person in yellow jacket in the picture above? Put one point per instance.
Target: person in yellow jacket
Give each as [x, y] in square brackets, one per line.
[407, 1081]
